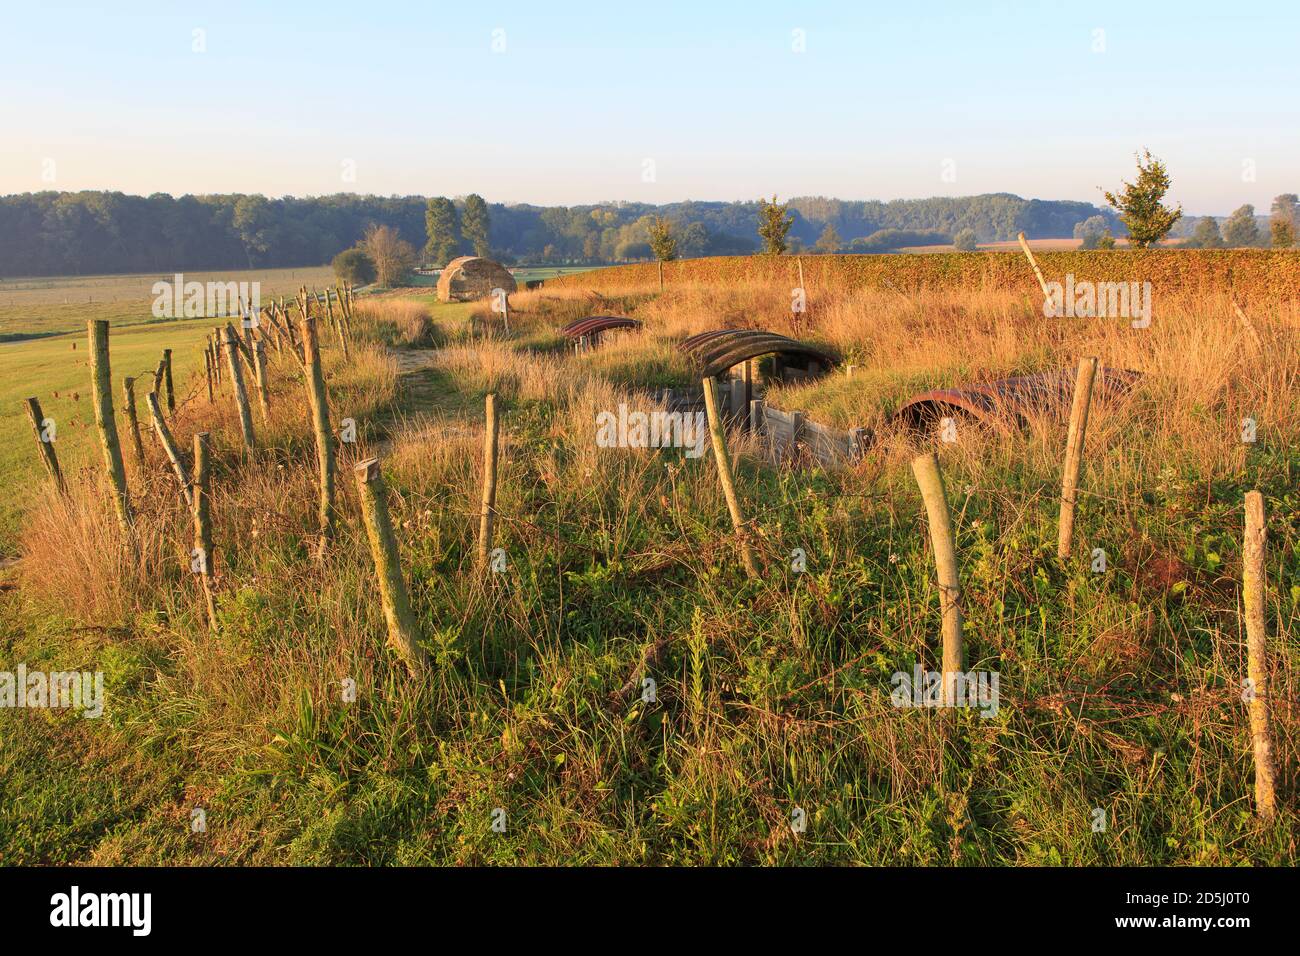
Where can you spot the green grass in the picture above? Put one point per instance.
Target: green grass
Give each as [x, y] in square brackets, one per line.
[48, 305]
[52, 370]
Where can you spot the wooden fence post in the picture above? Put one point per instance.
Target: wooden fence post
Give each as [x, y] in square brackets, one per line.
[1253, 599]
[207, 369]
[237, 381]
[723, 460]
[169, 446]
[203, 521]
[1074, 453]
[320, 413]
[1033, 264]
[45, 444]
[132, 421]
[167, 381]
[487, 515]
[106, 420]
[403, 631]
[259, 372]
[943, 543]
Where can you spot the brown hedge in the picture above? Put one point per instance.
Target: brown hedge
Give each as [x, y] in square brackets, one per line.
[1250, 274]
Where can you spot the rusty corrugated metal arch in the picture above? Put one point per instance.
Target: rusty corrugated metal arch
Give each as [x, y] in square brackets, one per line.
[1008, 403]
[718, 350]
[593, 325]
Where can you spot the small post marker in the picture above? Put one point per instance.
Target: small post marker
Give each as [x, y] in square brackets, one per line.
[487, 513]
[943, 543]
[1253, 598]
[723, 461]
[1074, 453]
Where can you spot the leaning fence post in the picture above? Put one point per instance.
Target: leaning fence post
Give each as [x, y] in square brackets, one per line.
[320, 413]
[1033, 264]
[45, 443]
[106, 420]
[132, 422]
[259, 371]
[1256, 653]
[487, 516]
[723, 460]
[169, 446]
[1074, 453]
[203, 521]
[237, 381]
[403, 631]
[207, 368]
[943, 543]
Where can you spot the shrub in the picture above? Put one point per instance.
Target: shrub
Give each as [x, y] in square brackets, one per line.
[354, 266]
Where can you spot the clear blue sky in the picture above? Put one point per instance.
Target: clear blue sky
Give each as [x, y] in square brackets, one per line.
[288, 98]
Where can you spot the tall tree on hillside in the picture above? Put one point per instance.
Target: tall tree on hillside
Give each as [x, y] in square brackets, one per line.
[774, 223]
[1139, 204]
[443, 228]
[1206, 235]
[474, 224]
[1240, 229]
[1282, 223]
[392, 255]
[829, 241]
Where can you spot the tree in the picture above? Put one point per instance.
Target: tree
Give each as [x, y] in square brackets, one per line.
[1139, 206]
[965, 240]
[829, 241]
[773, 224]
[694, 240]
[663, 244]
[1206, 235]
[392, 255]
[1282, 223]
[1090, 231]
[1240, 229]
[443, 229]
[354, 266]
[474, 224]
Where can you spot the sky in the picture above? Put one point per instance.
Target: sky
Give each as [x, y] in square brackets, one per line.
[566, 103]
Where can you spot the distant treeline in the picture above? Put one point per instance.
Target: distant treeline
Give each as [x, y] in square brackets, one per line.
[52, 233]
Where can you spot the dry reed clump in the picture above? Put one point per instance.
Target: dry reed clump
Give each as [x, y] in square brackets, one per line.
[77, 559]
[492, 365]
[397, 323]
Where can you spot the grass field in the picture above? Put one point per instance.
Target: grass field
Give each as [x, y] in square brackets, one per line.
[1120, 691]
[43, 306]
